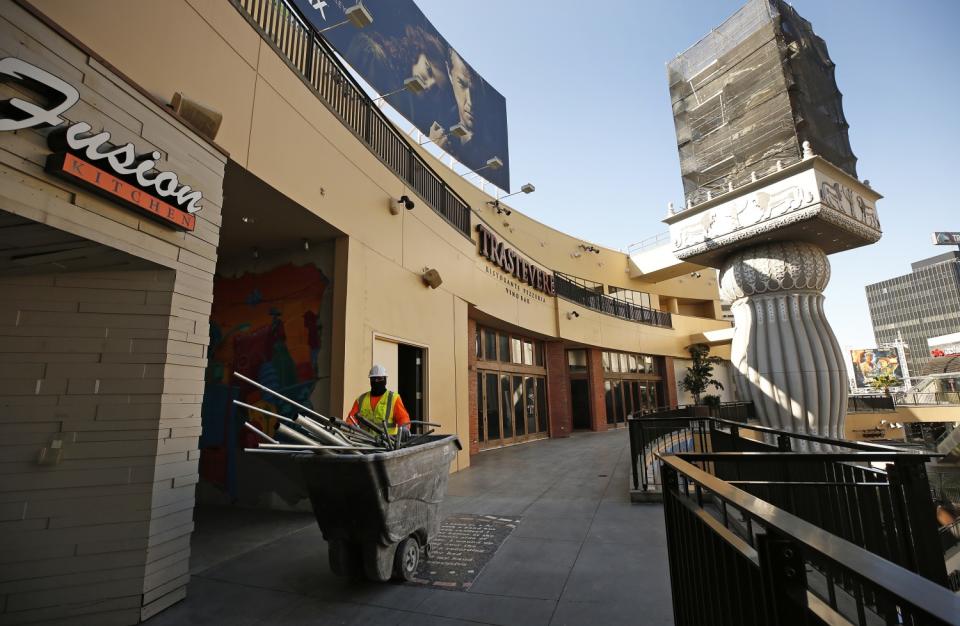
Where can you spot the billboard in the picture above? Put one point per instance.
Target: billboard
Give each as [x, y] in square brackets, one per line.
[869, 363]
[945, 345]
[401, 43]
[946, 239]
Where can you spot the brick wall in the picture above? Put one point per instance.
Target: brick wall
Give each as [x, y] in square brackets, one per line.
[472, 385]
[598, 407]
[558, 390]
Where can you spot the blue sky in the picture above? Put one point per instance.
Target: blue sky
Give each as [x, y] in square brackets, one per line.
[591, 126]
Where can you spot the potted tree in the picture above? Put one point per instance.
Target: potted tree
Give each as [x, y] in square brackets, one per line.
[884, 382]
[700, 373]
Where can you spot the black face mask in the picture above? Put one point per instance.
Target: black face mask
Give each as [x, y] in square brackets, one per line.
[378, 386]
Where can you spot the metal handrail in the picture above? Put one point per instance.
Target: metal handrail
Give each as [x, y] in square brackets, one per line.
[569, 290]
[937, 602]
[309, 55]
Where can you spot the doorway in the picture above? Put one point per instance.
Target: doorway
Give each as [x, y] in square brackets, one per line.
[406, 373]
[580, 403]
[410, 379]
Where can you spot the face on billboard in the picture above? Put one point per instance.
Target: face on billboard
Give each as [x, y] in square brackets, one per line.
[401, 43]
[870, 363]
[461, 79]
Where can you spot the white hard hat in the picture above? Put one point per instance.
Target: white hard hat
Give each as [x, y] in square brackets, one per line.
[378, 371]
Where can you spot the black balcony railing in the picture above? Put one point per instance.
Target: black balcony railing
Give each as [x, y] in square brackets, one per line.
[737, 558]
[869, 404]
[568, 289]
[312, 58]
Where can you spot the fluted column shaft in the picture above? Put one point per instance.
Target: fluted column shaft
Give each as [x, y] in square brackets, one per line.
[786, 357]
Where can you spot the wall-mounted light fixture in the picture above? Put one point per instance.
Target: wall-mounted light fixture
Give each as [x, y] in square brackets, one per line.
[256, 253]
[457, 130]
[493, 163]
[306, 245]
[358, 15]
[695, 274]
[572, 314]
[431, 278]
[413, 85]
[204, 120]
[404, 202]
[526, 189]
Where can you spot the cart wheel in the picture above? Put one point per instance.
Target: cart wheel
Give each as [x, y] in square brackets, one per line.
[345, 558]
[407, 559]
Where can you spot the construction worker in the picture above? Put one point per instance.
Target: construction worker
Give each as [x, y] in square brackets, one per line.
[380, 405]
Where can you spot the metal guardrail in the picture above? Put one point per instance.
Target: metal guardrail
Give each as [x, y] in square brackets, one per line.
[869, 404]
[671, 433]
[660, 239]
[921, 398]
[573, 292]
[312, 58]
[736, 558]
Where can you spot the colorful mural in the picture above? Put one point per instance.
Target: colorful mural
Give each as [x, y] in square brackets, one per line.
[268, 327]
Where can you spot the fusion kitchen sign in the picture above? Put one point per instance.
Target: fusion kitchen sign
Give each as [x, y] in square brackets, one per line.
[90, 159]
[512, 263]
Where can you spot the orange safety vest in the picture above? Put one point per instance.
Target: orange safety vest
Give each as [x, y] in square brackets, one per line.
[383, 412]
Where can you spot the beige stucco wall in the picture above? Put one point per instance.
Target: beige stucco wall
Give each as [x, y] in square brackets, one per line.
[280, 131]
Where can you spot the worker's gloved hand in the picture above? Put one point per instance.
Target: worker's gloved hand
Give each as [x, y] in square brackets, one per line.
[352, 421]
[404, 433]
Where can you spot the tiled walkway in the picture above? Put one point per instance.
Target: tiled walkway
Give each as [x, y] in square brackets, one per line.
[582, 553]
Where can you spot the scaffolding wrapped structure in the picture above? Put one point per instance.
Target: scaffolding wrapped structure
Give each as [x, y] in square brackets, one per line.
[747, 96]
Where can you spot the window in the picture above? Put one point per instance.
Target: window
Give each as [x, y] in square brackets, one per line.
[528, 353]
[518, 405]
[632, 363]
[530, 396]
[489, 345]
[516, 350]
[504, 342]
[577, 361]
[506, 406]
[605, 357]
[539, 348]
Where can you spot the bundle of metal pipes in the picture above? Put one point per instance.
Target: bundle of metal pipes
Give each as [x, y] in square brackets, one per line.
[312, 432]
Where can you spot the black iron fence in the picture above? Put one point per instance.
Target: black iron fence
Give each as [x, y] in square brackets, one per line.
[736, 558]
[570, 290]
[309, 55]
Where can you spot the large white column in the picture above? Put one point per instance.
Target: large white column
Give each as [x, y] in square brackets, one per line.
[787, 359]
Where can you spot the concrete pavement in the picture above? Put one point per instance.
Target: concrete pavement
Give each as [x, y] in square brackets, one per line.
[582, 553]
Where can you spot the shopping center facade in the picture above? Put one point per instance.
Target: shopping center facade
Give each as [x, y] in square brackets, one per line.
[276, 249]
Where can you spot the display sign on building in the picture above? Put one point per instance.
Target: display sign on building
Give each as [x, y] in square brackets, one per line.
[869, 363]
[512, 263]
[945, 345]
[90, 159]
[946, 239]
[400, 43]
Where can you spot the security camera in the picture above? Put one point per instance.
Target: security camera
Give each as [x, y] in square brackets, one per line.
[572, 314]
[695, 274]
[407, 203]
